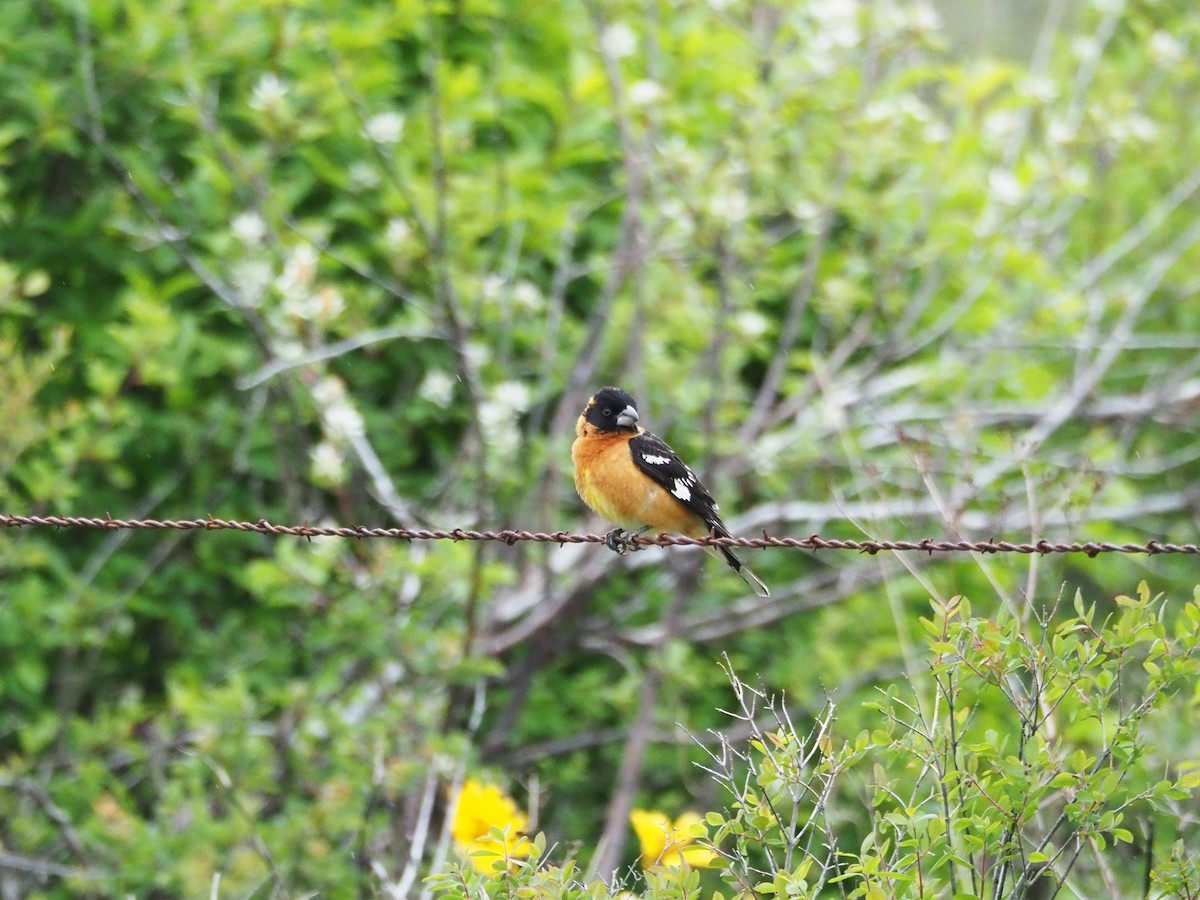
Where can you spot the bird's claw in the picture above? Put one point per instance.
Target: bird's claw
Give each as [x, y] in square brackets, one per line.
[622, 542]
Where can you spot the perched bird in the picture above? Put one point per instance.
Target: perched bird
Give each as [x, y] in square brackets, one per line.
[633, 479]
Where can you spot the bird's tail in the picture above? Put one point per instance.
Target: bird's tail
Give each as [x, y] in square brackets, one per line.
[736, 564]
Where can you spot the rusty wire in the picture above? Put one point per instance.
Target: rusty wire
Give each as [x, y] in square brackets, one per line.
[510, 536]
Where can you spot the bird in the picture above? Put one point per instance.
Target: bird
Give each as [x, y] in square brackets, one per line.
[636, 481]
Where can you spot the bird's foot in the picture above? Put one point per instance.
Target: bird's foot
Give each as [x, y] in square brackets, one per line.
[621, 542]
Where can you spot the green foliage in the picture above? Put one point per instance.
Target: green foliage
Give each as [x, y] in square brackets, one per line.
[362, 262]
[1026, 765]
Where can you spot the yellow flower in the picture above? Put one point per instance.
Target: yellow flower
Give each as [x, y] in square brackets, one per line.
[482, 807]
[668, 844]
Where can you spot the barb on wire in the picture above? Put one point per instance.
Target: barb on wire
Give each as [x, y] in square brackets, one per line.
[511, 536]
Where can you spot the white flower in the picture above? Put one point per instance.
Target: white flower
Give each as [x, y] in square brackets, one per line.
[911, 106]
[34, 284]
[496, 420]
[298, 272]
[1060, 132]
[385, 128]
[499, 413]
[768, 448]
[327, 303]
[752, 323]
[679, 221]
[329, 391]
[288, 349]
[268, 93]
[987, 223]
[249, 228]
[890, 19]
[512, 395]
[1004, 186]
[477, 355]
[833, 10]
[878, 111]
[327, 463]
[1040, 88]
[618, 40]
[644, 92]
[499, 425]
[1085, 47]
[437, 387]
[491, 286]
[396, 233]
[936, 132]
[821, 60]
[1165, 49]
[831, 27]
[1141, 127]
[342, 421]
[925, 17]
[1002, 125]
[676, 149]
[810, 215]
[731, 206]
[363, 176]
[526, 295]
[251, 278]
[843, 34]
[297, 305]
[837, 24]
[319, 304]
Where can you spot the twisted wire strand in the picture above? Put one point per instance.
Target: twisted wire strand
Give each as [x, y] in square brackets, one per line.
[513, 536]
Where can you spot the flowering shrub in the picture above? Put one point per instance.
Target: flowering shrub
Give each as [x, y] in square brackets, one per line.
[488, 826]
[965, 796]
[667, 843]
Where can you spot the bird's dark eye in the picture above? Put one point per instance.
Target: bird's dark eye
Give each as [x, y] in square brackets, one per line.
[607, 411]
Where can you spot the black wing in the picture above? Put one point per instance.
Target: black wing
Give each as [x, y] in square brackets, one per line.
[652, 456]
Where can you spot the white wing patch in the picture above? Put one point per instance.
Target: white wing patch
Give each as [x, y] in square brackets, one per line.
[666, 470]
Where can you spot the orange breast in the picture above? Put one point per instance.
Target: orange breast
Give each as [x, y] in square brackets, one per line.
[609, 482]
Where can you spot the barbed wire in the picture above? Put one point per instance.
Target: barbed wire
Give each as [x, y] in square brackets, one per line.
[512, 536]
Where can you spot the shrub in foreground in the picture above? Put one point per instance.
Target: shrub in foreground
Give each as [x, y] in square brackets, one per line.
[1021, 762]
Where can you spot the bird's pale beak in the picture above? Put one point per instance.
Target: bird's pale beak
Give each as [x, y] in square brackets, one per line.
[628, 417]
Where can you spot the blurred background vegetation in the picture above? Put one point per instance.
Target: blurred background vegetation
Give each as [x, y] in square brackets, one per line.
[873, 274]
